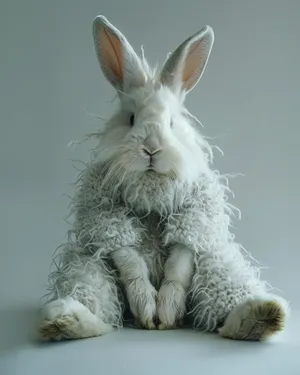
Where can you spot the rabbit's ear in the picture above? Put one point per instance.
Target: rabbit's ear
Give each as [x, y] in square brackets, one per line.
[186, 64]
[119, 63]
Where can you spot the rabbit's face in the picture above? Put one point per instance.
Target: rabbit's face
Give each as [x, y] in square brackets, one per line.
[150, 135]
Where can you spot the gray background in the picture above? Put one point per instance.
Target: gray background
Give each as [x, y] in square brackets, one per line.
[248, 100]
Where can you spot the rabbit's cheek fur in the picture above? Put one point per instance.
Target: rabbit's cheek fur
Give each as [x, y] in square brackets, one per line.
[169, 162]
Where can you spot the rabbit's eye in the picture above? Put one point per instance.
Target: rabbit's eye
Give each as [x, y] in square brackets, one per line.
[132, 120]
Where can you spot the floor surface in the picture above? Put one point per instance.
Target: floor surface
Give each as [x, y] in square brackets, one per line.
[138, 352]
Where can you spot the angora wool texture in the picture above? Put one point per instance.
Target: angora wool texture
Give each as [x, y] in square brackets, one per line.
[152, 221]
[110, 217]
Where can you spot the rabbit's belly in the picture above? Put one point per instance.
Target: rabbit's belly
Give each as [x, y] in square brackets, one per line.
[155, 258]
[152, 249]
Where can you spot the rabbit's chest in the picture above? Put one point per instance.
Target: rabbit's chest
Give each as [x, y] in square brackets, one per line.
[152, 248]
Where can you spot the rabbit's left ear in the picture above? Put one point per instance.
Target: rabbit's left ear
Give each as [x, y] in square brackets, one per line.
[119, 63]
[186, 64]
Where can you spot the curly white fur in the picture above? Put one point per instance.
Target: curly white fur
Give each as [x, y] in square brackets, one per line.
[152, 221]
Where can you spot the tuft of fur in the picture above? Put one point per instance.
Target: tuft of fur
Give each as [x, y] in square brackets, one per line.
[152, 221]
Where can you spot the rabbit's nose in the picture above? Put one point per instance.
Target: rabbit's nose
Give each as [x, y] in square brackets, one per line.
[152, 144]
[150, 153]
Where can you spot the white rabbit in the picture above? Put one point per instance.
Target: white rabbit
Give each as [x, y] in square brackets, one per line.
[152, 221]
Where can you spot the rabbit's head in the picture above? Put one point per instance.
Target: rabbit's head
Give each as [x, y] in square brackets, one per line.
[152, 135]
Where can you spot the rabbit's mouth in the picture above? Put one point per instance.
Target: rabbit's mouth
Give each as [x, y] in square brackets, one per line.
[151, 170]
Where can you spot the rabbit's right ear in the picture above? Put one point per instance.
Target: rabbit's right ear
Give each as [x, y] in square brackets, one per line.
[119, 63]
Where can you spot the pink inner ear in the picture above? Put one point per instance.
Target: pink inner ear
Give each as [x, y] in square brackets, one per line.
[111, 48]
[194, 64]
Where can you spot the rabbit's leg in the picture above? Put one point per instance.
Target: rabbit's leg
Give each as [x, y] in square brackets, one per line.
[177, 280]
[229, 297]
[84, 301]
[140, 292]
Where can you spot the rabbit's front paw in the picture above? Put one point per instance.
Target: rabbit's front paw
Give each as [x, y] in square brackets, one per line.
[142, 300]
[171, 305]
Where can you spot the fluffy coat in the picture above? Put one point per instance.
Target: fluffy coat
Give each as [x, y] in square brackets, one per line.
[152, 222]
